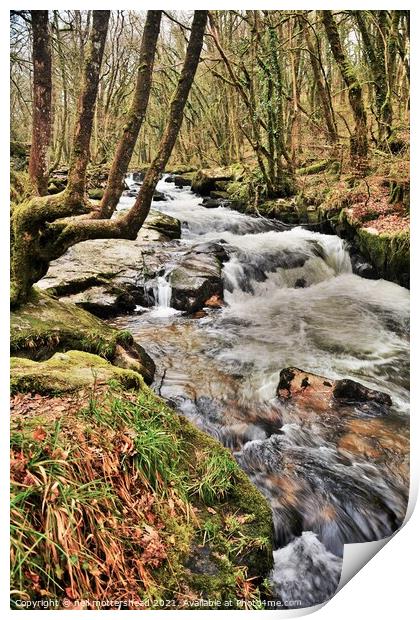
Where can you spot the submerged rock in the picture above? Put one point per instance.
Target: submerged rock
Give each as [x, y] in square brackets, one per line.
[159, 196]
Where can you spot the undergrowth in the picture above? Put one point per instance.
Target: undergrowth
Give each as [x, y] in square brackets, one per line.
[110, 498]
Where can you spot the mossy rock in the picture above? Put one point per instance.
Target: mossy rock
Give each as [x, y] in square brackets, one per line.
[96, 193]
[67, 372]
[45, 325]
[205, 181]
[389, 252]
[164, 224]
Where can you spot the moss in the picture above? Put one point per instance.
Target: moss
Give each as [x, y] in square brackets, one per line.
[238, 191]
[388, 252]
[242, 497]
[67, 372]
[45, 325]
[96, 193]
[316, 167]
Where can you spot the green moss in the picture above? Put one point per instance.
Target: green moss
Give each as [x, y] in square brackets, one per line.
[45, 324]
[67, 372]
[96, 193]
[238, 191]
[388, 252]
[315, 168]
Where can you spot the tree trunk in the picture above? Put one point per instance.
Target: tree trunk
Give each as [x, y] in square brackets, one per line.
[39, 228]
[377, 61]
[135, 116]
[86, 107]
[42, 88]
[358, 141]
[321, 89]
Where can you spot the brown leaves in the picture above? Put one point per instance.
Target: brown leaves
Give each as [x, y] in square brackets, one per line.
[39, 434]
[154, 550]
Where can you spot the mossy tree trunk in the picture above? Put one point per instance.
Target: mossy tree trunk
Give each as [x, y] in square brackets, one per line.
[41, 106]
[376, 55]
[44, 228]
[135, 116]
[321, 83]
[86, 107]
[358, 141]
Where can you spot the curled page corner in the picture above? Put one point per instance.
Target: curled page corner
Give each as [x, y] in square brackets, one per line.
[357, 555]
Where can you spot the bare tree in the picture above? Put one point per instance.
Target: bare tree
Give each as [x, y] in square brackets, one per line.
[358, 141]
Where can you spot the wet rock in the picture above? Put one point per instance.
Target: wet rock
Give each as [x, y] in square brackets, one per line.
[181, 181]
[211, 203]
[351, 391]
[215, 301]
[219, 195]
[138, 176]
[165, 224]
[194, 280]
[320, 394]
[134, 357]
[104, 302]
[205, 181]
[361, 266]
[212, 248]
[200, 314]
[159, 196]
[109, 276]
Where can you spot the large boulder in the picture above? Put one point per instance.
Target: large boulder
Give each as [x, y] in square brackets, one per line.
[45, 325]
[108, 276]
[196, 279]
[206, 181]
[67, 372]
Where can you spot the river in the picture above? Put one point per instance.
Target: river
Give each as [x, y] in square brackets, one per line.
[291, 299]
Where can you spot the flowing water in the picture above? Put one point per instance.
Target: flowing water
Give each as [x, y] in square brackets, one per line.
[291, 299]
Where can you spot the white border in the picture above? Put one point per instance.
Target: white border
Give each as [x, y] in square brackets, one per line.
[387, 586]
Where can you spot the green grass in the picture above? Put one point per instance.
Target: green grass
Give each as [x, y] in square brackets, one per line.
[215, 477]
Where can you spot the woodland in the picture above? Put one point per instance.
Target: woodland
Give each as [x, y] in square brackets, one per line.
[202, 201]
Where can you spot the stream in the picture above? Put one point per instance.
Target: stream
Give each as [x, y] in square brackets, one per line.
[291, 299]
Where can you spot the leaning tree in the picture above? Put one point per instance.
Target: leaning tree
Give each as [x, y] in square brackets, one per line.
[45, 226]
